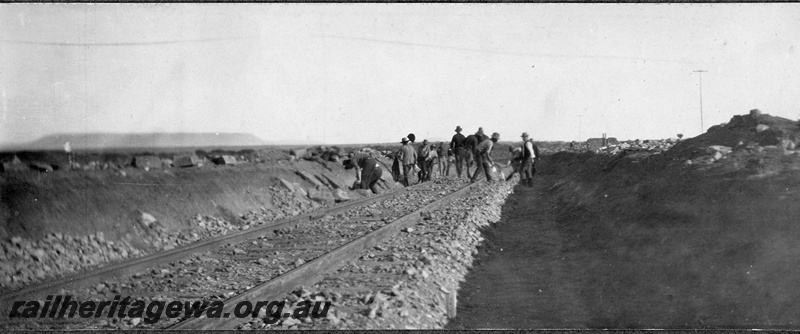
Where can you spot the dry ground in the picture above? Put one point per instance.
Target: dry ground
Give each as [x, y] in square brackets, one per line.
[653, 244]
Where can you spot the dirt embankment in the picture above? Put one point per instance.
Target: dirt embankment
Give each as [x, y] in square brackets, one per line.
[701, 236]
[59, 222]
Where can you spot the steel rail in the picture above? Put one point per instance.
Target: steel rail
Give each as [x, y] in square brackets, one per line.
[309, 273]
[131, 266]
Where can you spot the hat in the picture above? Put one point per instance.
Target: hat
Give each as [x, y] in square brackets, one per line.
[496, 136]
[480, 130]
[458, 128]
[404, 140]
[424, 141]
[524, 134]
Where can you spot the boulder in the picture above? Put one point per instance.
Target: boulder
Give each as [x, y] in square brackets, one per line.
[310, 178]
[299, 189]
[322, 196]
[224, 160]
[324, 181]
[762, 127]
[788, 144]
[720, 148]
[333, 182]
[286, 184]
[186, 160]
[147, 161]
[299, 153]
[363, 192]
[755, 113]
[147, 219]
[340, 195]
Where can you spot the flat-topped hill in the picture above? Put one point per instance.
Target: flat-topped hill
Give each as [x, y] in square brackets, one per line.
[92, 141]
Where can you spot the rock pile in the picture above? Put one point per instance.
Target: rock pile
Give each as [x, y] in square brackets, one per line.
[24, 261]
[745, 137]
[650, 145]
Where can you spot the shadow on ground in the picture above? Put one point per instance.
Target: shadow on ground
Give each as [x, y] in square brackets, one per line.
[640, 246]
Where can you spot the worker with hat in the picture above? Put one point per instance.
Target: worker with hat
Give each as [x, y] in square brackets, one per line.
[483, 158]
[368, 171]
[460, 151]
[408, 158]
[530, 153]
[471, 142]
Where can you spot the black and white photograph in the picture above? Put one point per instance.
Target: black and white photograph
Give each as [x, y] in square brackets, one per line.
[399, 166]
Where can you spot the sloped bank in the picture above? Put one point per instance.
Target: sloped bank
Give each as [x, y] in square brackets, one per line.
[658, 243]
[60, 223]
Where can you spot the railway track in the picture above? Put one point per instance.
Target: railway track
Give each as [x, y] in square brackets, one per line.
[257, 264]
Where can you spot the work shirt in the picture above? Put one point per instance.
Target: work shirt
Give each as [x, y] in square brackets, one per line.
[457, 141]
[408, 155]
[471, 142]
[527, 150]
[360, 159]
[485, 150]
[432, 154]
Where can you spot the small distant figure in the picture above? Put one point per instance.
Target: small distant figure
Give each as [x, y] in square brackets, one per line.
[572, 145]
[457, 145]
[408, 158]
[483, 157]
[368, 171]
[430, 160]
[444, 159]
[530, 154]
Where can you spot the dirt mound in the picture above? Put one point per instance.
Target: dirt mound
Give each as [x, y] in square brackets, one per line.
[651, 244]
[741, 130]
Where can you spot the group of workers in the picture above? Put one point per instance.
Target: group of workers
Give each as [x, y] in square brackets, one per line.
[462, 150]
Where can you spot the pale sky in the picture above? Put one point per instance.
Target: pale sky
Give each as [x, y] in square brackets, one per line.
[364, 73]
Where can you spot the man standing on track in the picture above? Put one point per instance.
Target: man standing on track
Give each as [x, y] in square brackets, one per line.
[529, 153]
[368, 171]
[408, 157]
[457, 145]
[483, 158]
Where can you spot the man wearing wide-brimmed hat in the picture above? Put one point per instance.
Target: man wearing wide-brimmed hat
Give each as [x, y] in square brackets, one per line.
[459, 150]
[529, 153]
[484, 157]
[408, 157]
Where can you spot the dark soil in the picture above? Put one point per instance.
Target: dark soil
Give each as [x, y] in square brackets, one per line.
[650, 244]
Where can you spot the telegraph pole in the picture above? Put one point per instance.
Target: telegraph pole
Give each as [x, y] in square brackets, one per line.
[700, 72]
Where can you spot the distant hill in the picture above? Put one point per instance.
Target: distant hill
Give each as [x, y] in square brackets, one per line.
[84, 141]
